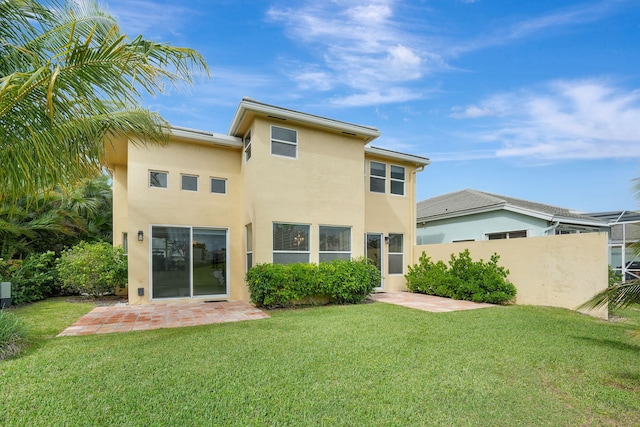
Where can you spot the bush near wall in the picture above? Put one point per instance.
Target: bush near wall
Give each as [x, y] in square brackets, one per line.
[462, 279]
[32, 279]
[339, 281]
[92, 268]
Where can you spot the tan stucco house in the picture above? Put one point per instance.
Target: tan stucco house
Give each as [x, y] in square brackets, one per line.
[280, 186]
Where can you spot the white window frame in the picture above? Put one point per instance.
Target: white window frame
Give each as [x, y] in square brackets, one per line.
[247, 146]
[188, 175]
[392, 180]
[248, 233]
[378, 177]
[330, 252]
[282, 141]
[507, 234]
[211, 178]
[395, 254]
[280, 251]
[157, 171]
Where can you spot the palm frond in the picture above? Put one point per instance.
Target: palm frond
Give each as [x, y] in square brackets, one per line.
[617, 296]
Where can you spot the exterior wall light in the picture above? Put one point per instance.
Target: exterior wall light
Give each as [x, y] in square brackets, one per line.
[140, 235]
[386, 239]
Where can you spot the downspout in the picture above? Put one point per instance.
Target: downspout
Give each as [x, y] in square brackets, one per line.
[553, 227]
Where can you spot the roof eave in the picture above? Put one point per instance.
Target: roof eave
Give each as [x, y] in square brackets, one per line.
[208, 137]
[246, 105]
[403, 157]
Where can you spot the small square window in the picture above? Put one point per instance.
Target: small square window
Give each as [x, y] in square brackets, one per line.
[190, 182]
[218, 186]
[158, 179]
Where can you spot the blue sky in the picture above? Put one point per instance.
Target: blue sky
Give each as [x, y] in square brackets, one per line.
[532, 99]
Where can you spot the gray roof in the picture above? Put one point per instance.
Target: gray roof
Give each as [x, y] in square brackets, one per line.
[469, 201]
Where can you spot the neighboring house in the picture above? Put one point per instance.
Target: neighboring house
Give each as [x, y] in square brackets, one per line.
[281, 186]
[623, 241]
[470, 215]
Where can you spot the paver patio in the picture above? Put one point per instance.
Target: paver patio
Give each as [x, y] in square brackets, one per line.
[125, 318]
[427, 302]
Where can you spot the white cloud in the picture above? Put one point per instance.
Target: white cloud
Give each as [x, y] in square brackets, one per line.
[360, 47]
[583, 119]
[148, 17]
[580, 14]
[471, 111]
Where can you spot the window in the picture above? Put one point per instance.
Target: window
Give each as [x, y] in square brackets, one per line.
[290, 243]
[125, 243]
[507, 235]
[247, 147]
[189, 182]
[396, 253]
[158, 179]
[218, 186]
[335, 243]
[377, 177]
[284, 142]
[397, 180]
[249, 236]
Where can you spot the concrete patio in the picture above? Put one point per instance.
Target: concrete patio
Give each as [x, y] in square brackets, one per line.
[427, 302]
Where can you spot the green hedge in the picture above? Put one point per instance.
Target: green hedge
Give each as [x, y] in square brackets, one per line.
[339, 281]
[462, 279]
[33, 279]
[92, 268]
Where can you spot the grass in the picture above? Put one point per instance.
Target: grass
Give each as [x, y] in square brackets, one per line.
[13, 334]
[369, 364]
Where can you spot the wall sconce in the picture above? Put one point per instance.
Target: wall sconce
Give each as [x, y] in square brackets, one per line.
[386, 239]
[140, 235]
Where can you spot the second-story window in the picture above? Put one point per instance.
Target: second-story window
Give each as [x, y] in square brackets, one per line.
[247, 147]
[284, 142]
[397, 180]
[190, 182]
[158, 179]
[377, 177]
[218, 185]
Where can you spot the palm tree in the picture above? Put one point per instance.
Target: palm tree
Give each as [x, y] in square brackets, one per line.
[619, 294]
[69, 81]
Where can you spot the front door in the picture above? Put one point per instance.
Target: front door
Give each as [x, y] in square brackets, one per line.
[188, 262]
[375, 254]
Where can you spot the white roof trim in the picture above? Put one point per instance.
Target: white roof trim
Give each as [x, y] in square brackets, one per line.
[409, 158]
[203, 136]
[247, 105]
[515, 209]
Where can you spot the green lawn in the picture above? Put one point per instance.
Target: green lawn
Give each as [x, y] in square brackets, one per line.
[370, 364]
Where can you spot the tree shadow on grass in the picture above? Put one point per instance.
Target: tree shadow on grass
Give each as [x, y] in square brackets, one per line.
[614, 344]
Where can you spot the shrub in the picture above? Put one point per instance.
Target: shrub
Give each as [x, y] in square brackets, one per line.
[92, 268]
[463, 279]
[340, 281]
[34, 279]
[13, 334]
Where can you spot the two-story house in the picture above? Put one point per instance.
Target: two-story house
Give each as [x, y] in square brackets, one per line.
[281, 186]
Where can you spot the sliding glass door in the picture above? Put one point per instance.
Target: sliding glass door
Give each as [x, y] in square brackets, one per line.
[188, 262]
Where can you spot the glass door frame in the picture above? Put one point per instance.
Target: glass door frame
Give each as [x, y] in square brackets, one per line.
[381, 255]
[189, 262]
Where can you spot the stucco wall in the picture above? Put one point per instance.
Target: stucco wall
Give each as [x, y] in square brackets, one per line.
[389, 213]
[559, 271]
